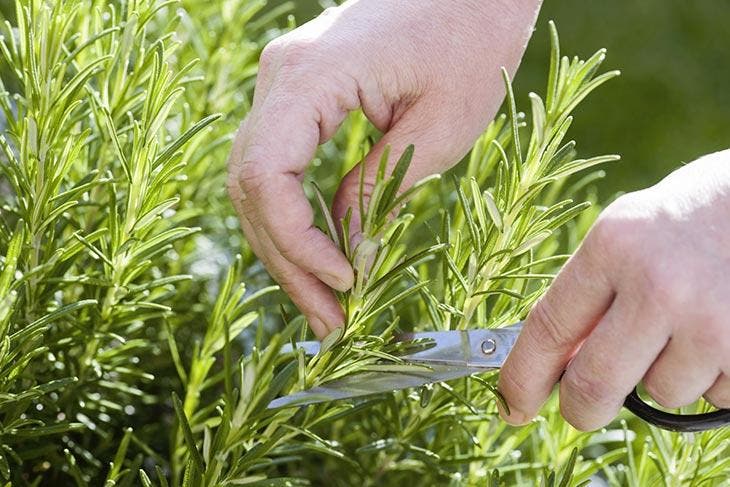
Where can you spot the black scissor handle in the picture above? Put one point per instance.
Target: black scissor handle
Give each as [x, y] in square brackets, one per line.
[685, 423]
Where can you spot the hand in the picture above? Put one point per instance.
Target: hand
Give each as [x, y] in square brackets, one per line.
[425, 72]
[646, 296]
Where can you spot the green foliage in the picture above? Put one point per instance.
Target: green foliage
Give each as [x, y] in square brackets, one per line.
[132, 352]
[98, 227]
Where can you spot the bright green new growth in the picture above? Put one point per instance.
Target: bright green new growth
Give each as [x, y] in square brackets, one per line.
[127, 351]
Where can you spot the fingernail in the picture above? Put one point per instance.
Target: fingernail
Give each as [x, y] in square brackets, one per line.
[515, 417]
[338, 282]
[318, 327]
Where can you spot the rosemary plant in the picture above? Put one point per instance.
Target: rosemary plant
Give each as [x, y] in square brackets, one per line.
[136, 347]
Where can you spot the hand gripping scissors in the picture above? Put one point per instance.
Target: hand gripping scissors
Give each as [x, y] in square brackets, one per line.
[460, 353]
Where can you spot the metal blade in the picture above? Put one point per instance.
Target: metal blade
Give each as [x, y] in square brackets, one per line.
[454, 354]
[310, 348]
[469, 348]
[369, 383]
[466, 348]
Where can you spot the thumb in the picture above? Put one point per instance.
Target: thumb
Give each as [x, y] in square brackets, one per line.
[438, 146]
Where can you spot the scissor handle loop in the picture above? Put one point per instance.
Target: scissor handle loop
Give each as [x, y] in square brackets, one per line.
[685, 423]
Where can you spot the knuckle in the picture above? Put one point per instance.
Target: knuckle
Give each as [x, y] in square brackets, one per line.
[250, 177]
[586, 390]
[662, 393]
[621, 227]
[614, 235]
[233, 188]
[291, 57]
[291, 252]
[706, 337]
[666, 285]
[711, 334]
[545, 326]
[246, 175]
[288, 283]
[271, 54]
[292, 52]
[719, 396]
[298, 52]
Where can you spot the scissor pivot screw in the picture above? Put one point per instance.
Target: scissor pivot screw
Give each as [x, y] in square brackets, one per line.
[489, 346]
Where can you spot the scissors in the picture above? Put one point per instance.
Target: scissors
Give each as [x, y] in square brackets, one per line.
[461, 353]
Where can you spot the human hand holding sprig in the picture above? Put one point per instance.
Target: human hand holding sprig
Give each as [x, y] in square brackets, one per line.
[424, 72]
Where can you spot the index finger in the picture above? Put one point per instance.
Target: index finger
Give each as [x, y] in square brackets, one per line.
[555, 328]
[279, 139]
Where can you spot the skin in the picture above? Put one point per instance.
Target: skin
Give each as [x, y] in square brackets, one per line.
[424, 73]
[643, 297]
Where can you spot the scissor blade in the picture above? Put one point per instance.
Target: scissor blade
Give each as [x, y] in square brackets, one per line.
[464, 348]
[451, 354]
[369, 383]
[485, 348]
[309, 347]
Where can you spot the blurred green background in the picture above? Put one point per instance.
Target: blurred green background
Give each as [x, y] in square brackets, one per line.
[672, 102]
